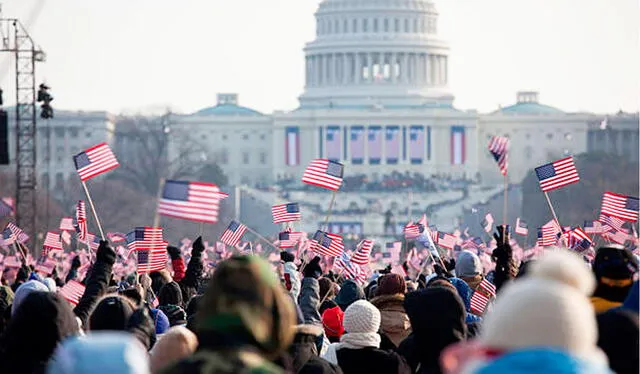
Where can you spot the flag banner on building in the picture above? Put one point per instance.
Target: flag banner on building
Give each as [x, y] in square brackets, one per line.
[487, 222]
[333, 143]
[52, 242]
[66, 224]
[579, 240]
[154, 259]
[374, 144]
[17, 233]
[557, 174]
[363, 252]
[458, 145]
[324, 173]
[416, 144]
[144, 238]
[392, 144]
[72, 291]
[194, 201]
[81, 220]
[499, 147]
[480, 299]
[357, 144]
[521, 227]
[5, 209]
[593, 227]
[95, 161]
[289, 212]
[327, 244]
[620, 206]
[446, 240]
[292, 146]
[288, 239]
[233, 233]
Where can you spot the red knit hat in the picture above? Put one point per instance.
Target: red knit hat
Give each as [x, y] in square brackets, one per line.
[332, 322]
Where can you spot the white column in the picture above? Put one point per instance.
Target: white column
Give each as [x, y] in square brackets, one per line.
[318, 69]
[423, 68]
[445, 70]
[369, 68]
[436, 71]
[326, 69]
[416, 68]
[427, 69]
[345, 68]
[392, 67]
[405, 68]
[357, 69]
[334, 75]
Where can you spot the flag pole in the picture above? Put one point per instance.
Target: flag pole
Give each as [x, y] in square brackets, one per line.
[555, 217]
[504, 208]
[260, 237]
[156, 217]
[93, 209]
[326, 220]
[201, 230]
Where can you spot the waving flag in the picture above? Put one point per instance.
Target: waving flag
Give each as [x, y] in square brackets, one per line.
[288, 239]
[72, 291]
[485, 291]
[52, 242]
[363, 252]
[446, 240]
[350, 270]
[232, 235]
[557, 174]
[392, 253]
[327, 244]
[81, 220]
[549, 234]
[194, 201]
[324, 173]
[46, 266]
[593, 227]
[154, 259]
[612, 223]
[116, 237]
[521, 227]
[92, 241]
[286, 213]
[145, 238]
[499, 147]
[11, 262]
[17, 233]
[487, 222]
[95, 161]
[620, 206]
[66, 224]
[579, 240]
[412, 230]
[5, 209]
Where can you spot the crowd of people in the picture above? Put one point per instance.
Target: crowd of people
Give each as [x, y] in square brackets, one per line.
[552, 314]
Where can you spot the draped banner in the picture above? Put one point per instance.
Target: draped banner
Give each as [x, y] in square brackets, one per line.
[392, 144]
[333, 143]
[457, 145]
[292, 146]
[374, 144]
[416, 144]
[357, 145]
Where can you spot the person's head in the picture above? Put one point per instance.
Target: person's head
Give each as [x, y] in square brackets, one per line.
[361, 317]
[614, 267]
[391, 284]
[332, 319]
[177, 343]
[170, 294]
[468, 265]
[160, 321]
[104, 352]
[112, 312]
[349, 293]
[245, 302]
[24, 290]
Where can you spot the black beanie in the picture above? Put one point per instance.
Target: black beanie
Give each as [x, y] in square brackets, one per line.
[111, 313]
[614, 262]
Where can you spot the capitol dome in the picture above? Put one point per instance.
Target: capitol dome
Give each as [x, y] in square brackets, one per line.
[383, 52]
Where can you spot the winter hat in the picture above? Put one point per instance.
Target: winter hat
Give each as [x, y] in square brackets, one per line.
[349, 292]
[24, 290]
[245, 302]
[170, 294]
[332, 320]
[178, 343]
[548, 308]
[160, 321]
[391, 284]
[361, 317]
[111, 313]
[100, 353]
[51, 284]
[468, 264]
[175, 314]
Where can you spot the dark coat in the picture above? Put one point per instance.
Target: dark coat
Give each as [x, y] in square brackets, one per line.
[304, 351]
[394, 325]
[96, 282]
[437, 317]
[371, 360]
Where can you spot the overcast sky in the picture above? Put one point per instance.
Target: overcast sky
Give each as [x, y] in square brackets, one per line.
[120, 55]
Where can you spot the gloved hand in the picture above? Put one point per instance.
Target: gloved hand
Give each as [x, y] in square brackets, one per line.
[105, 253]
[313, 269]
[386, 270]
[198, 246]
[75, 263]
[287, 257]
[174, 252]
[141, 324]
[502, 252]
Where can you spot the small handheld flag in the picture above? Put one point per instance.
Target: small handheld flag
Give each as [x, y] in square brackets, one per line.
[72, 291]
[620, 206]
[499, 147]
[95, 161]
[327, 244]
[289, 212]
[557, 174]
[232, 235]
[194, 201]
[521, 227]
[362, 254]
[324, 173]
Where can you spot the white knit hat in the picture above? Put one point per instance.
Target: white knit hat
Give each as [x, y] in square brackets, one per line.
[547, 308]
[361, 317]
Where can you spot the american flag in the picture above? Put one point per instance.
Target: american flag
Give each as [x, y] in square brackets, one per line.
[474, 243]
[65, 237]
[392, 254]
[411, 230]
[446, 240]
[363, 252]
[549, 234]
[485, 291]
[17, 233]
[579, 240]
[95, 161]
[5, 209]
[324, 173]
[145, 238]
[81, 220]
[194, 201]
[619, 237]
[11, 262]
[327, 244]
[45, 266]
[374, 144]
[289, 212]
[620, 206]
[288, 239]
[593, 227]
[392, 144]
[343, 263]
[521, 227]
[93, 241]
[499, 147]
[52, 241]
[487, 222]
[7, 237]
[232, 235]
[333, 144]
[154, 259]
[116, 237]
[66, 224]
[72, 291]
[613, 222]
[416, 144]
[557, 174]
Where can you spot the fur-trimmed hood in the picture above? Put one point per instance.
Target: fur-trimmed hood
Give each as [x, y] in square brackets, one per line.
[394, 323]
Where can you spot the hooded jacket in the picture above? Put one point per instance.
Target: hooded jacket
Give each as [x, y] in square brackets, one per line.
[97, 281]
[304, 351]
[395, 324]
[41, 322]
[437, 318]
[170, 294]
